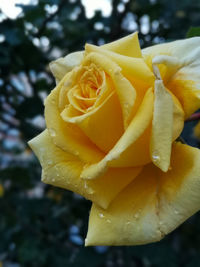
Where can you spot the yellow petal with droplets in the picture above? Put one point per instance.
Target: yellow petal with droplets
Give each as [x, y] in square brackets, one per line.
[131, 218]
[162, 127]
[132, 148]
[126, 46]
[63, 170]
[153, 205]
[179, 188]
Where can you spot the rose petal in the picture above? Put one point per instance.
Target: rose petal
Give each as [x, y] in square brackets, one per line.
[167, 125]
[178, 117]
[153, 205]
[185, 83]
[131, 218]
[63, 65]
[162, 127]
[127, 46]
[63, 170]
[179, 188]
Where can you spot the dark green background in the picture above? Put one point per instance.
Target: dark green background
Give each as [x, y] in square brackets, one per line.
[45, 226]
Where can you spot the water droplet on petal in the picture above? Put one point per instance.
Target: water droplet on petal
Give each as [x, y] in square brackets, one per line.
[52, 132]
[49, 162]
[109, 157]
[90, 191]
[108, 221]
[68, 83]
[101, 215]
[53, 179]
[136, 215]
[85, 185]
[176, 212]
[128, 223]
[76, 153]
[155, 158]
[86, 166]
[115, 157]
[126, 105]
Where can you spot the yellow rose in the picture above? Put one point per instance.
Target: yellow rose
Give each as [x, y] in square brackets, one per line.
[112, 122]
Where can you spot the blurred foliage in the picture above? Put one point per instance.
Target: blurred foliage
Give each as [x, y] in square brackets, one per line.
[193, 31]
[45, 226]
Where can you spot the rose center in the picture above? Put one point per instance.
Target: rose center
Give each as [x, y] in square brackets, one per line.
[91, 81]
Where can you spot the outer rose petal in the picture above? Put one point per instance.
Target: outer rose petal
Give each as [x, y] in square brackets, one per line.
[178, 191]
[63, 169]
[185, 82]
[153, 205]
[131, 218]
[126, 46]
[62, 65]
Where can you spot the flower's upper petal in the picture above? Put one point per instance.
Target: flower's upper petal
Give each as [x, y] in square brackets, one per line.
[126, 46]
[131, 67]
[153, 205]
[66, 135]
[185, 81]
[132, 149]
[62, 169]
[62, 65]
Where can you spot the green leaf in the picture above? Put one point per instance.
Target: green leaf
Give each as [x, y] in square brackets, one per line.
[193, 31]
